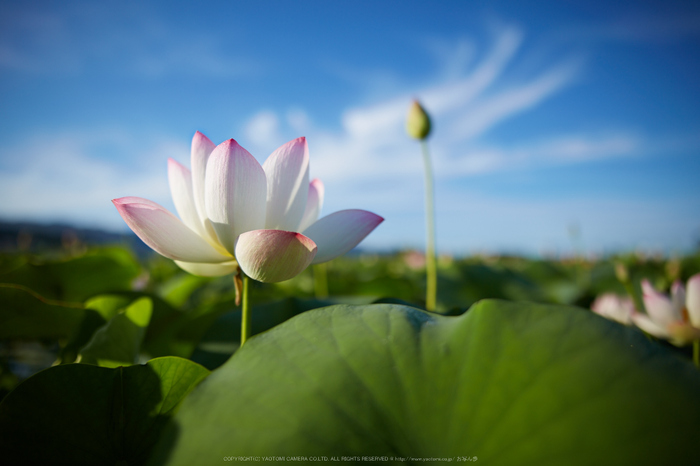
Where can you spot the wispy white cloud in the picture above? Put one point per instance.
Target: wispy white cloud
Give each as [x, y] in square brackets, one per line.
[366, 160]
[557, 150]
[492, 110]
[387, 118]
[452, 58]
[372, 142]
[63, 177]
[299, 120]
[263, 127]
[461, 92]
[370, 163]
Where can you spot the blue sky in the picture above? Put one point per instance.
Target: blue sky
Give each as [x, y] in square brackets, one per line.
[547, 115]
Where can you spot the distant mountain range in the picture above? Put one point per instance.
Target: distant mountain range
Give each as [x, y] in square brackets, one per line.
[37, 237]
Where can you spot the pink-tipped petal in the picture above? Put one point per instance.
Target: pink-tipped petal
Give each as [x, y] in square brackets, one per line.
[287, 171]
[658, 305]
[164, 232]
[274, 255]
[235, 192]
[180, 180]
[339, 232]
[614, 307]
[678, 297]
[692, 300]
[208, 270]
[652, 328]
[202, 148]
[314, 202]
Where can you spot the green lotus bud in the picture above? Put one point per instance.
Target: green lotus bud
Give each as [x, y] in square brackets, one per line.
[621, 272]
[418, 122]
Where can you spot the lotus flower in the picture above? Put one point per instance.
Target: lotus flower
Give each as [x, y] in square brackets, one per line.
[614, 307]
[235, 212]
[676, 319]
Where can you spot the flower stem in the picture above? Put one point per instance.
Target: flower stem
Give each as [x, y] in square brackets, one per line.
[638, 302]
[623, 276]
[320, 281]
[430, 263]
[245, 311]
[696, 353]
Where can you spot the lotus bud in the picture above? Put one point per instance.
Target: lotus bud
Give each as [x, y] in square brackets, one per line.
[418, 122]
[621, 272]
[673, 269]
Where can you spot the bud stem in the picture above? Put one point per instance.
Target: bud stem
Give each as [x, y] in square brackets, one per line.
[623, 276]
[430, 263]
[320, 281]
[245, 310]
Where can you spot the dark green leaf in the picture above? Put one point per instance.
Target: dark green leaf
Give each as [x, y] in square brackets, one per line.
[26, 314]
[78, 414]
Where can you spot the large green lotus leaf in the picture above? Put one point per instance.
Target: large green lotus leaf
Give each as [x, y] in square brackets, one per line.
[99, 271]
[26, 314]
[78, 414]
[509, 383]
[118, 342]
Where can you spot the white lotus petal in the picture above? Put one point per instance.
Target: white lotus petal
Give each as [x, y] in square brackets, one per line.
[274, 255]
[314, 202]
[180, 180]
[339, 232]
[202, 148]
[164, 232]
[678, 297]
[614, 307]
[659, 306]
[645, 323]
[287, 171]
[692, 300]
[235, 192]
[208, 270]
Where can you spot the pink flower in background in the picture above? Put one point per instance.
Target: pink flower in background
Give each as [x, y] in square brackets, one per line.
[614, 307]
[233, 211]
[676, 318]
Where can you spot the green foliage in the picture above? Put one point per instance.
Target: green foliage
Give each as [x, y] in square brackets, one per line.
[118, 342]
[79, 278]
[511, 383]
[79, 414]
[26, 314]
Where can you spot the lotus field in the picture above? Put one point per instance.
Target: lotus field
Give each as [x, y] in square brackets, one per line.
[254, 335]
